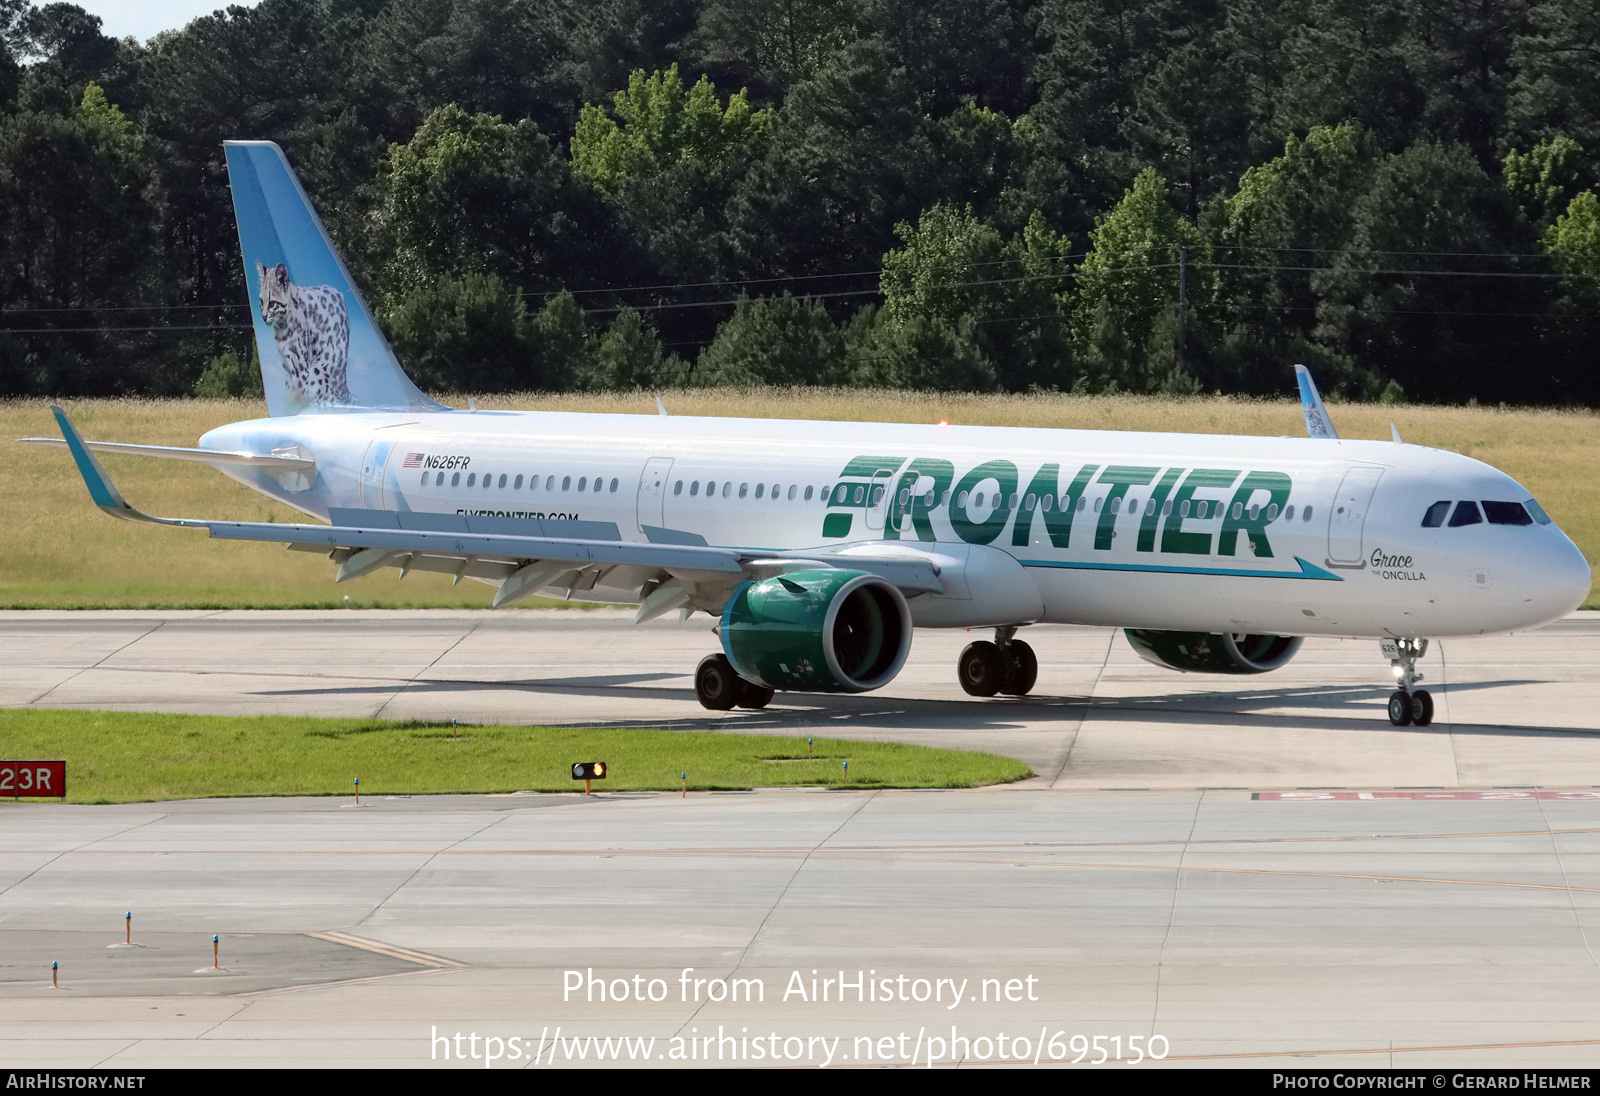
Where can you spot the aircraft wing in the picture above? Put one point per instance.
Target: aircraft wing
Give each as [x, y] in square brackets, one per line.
[521, 556]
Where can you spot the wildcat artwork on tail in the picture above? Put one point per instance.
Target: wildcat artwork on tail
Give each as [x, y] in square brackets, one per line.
[312, 331]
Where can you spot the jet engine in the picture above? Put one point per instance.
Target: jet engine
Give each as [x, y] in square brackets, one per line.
[827, 631]
[1213, 652]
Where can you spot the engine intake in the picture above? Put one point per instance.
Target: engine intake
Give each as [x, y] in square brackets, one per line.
[1213, 652]
[827, 631]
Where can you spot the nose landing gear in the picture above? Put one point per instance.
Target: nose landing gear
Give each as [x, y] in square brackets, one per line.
[1408, 706]
[1007, 665]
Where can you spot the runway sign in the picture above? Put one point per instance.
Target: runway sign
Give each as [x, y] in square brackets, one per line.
[1495, 793]
[34, 778]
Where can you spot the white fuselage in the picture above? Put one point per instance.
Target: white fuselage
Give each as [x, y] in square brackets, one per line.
[1289, 536]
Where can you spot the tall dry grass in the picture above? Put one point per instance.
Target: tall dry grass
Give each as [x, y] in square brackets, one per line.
[59, 551]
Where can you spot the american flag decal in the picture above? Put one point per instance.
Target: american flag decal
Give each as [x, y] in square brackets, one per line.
[413, 460]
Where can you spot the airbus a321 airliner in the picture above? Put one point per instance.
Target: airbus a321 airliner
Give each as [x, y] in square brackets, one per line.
[820, 545]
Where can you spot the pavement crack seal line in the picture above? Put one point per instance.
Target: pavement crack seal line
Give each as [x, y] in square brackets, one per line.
[412, 680]
[432, 856]
[1577, 917]
[85, 847]
[738, 964]
[1084, 705]
[80, 671]
[1172, 915]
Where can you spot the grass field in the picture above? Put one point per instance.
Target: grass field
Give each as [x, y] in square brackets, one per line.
[59, 552]
[123, 757]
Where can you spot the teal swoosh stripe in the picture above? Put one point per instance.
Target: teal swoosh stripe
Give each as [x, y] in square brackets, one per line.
[1307, 570]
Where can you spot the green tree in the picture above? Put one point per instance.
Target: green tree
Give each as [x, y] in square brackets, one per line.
[1420, 298]
[464, 334]
[227, 377]
[1010, 295]
[1277, 236]
[774, 340]
[773, 43]
[563, 342]
[629, 355]
[659, 125]
[470, 193]
[1128, 278]
[1545, 180]
[1555, 86]
[922, 353]
[1574, 239]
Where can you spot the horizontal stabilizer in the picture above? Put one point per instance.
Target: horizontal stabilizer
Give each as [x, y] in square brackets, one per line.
[178, 452]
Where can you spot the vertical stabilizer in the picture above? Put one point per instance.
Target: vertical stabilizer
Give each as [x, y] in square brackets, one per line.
[320, 349]
[1318, 424]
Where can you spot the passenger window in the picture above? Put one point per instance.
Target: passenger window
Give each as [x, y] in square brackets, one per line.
[792, 490]
[694, 488]
[711, 488]
[455, 479]
[961, 500]
[861, 493]
[1012, 505]
[677, 488]
[727, 488]
[744, 489]
[1506, 513]
[549, 483]
[760, 490]
[1047, 503]
[583, 482]
[472, 479]
[613, 485]
[1166, 508]
[775, 490]
[1305, 515]
[808, 492]
[1272, 512]
[877, 495]
[424, 479]
[503, 479]
[1238, 509]
[439, 480]
[1436, 514]
[566, 482]
[1466, 514]
[517, 483]
[599, 484]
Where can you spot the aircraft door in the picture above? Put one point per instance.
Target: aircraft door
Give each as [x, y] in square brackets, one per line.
[373, 476]
[1348, 515]
[653, 492]
[878, 498]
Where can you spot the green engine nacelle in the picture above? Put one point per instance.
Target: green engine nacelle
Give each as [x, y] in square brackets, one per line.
[1213, 652]
[818, 631]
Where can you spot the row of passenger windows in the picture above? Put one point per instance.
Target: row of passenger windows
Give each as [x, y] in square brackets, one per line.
[1467, 512]
[599, 483]
[847, 494]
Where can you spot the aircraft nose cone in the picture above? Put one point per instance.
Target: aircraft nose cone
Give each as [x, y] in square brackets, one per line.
[1557, 580]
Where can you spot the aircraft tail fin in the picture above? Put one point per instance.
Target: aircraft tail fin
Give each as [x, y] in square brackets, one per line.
[320, 348]
[1318, 424]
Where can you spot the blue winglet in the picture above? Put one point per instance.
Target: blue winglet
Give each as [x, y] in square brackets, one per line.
[101, 489]
[1318, 424]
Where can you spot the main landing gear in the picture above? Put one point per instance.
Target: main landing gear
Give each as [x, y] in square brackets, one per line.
[719, 688]
[1408, 706]
[1007, 666]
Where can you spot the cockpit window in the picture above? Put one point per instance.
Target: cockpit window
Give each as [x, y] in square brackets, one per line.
[1436, 515]
[1466, 514]
[1538, 512]
[1506, 513]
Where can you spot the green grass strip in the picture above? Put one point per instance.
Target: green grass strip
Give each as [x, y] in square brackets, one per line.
[125, 757]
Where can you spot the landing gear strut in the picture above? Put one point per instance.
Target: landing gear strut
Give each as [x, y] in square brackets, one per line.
[1408, 705]
[1007, 666]
[719, 688]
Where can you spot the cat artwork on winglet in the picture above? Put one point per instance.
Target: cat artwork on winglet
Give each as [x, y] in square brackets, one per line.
[312, 330]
